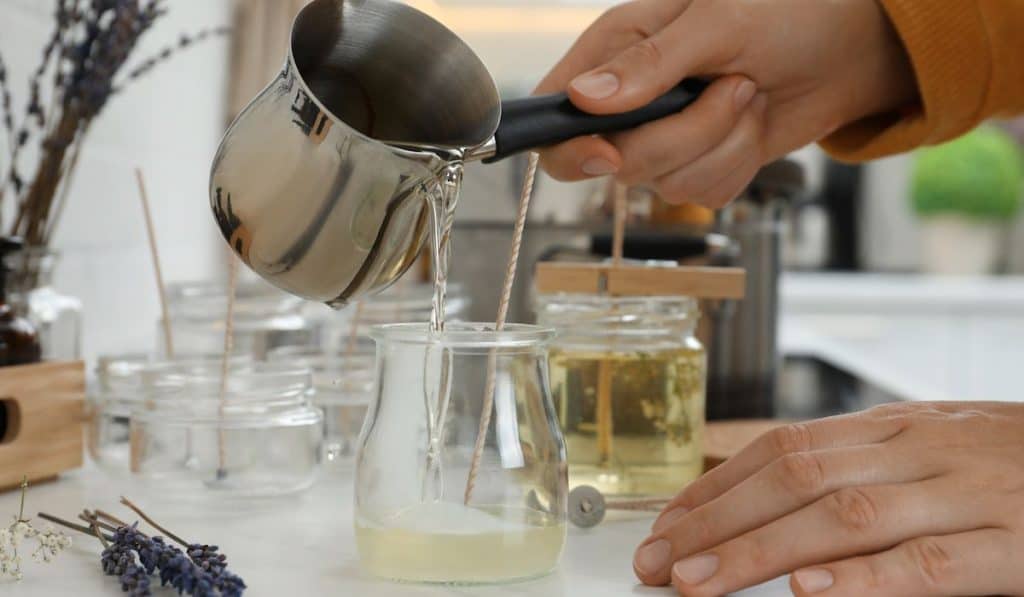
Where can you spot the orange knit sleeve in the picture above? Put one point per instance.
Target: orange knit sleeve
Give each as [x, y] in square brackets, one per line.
[968, 58]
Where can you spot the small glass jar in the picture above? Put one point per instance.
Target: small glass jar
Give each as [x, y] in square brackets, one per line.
[57, 317]
[344, 389]
[117, 389]
[628, 377]
[402, 303]
[258, 435]
[263, 320]
[413, 521]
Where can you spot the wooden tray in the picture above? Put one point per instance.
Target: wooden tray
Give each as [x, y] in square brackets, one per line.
[724, 439]
[45, 407]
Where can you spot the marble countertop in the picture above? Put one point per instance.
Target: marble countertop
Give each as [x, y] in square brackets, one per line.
[304, 545]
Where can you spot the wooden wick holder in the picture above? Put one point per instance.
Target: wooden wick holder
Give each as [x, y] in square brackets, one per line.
[640, 280]
[45, 407]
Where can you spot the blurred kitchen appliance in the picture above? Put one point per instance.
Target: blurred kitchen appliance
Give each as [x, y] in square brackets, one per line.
[743, 347]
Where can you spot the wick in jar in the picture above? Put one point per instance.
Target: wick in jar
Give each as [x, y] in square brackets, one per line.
[229, 343]
[605, 416]
[499, 324]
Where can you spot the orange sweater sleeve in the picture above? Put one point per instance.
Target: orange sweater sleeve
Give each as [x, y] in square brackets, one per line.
[968, 58]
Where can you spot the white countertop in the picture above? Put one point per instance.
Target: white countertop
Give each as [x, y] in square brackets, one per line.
[304, 546]
[919, 337]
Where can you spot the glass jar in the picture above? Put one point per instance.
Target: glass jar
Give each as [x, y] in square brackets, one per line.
[57, 317]
[257, 436]
[117, 389]
[263, 319]
[628, 377]
[412, 520]
[402, 303]
[344, 389]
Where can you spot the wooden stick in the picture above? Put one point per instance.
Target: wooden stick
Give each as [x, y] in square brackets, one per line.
[604, 417]
[153, 523]
[229, 343]
[160, 287]
[499, 324]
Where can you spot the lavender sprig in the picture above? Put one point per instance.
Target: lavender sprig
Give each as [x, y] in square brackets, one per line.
[87, 52]
[200, 570]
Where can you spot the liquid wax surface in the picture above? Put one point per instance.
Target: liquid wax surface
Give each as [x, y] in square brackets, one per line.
[446, 542]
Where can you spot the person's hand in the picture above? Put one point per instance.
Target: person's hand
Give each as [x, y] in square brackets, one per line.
[897, 501]
[786, 73]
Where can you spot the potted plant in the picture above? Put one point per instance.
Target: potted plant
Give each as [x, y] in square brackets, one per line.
[966, 192]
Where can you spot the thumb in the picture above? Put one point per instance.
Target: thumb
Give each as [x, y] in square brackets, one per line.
[693, 44]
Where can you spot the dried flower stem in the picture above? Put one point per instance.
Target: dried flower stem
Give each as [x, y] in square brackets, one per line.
[151, 522]
[229, 343]
[68, 524]
[99, 535]
[24, 490]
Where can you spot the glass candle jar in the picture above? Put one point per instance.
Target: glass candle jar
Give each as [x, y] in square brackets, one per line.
[263, 320]
[628, 377]
[258, 435]
[413, 521]
[402, 303]
[115, 391]
[344, 389]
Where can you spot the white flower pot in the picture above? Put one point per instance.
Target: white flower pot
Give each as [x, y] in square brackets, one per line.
[955, 245]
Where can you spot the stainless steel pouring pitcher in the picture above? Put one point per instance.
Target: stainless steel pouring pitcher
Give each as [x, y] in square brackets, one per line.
[321, 184]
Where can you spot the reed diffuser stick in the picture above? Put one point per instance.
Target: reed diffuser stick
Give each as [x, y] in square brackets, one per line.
[499, 324]
[229, 345]
[160, 287]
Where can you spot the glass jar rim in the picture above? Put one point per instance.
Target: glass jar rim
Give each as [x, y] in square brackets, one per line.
[465, 335]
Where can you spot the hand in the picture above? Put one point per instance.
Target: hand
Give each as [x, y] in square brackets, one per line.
[898, 501]
[786, 73]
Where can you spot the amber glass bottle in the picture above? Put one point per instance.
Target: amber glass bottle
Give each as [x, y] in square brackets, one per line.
[19, 341]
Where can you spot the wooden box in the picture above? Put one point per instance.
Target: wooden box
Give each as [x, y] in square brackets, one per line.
[44, 408]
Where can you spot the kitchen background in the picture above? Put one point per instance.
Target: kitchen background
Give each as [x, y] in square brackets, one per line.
[853, 244]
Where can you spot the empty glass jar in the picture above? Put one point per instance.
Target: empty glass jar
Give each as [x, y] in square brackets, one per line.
[117, 389]
[628, 377]
[344, 389]
[413, 521]
[256, 435]
[264, 319]
[402, 303]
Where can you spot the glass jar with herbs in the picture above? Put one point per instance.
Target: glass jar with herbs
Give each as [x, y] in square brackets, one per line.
[628, 378]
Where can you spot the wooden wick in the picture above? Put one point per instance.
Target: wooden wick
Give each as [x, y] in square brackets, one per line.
[499, 324]
[229, 343]
[605, 415]
[160, 287]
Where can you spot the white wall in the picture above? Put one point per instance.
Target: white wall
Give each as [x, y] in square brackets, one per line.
[168, 124]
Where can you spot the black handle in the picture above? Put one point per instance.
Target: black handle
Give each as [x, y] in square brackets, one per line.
[543, 120]
[665, 246]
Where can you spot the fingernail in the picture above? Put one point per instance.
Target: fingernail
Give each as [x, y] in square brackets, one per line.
[697, 569]
[666, 519]
[814, 580]
[652, 558]
[744, 93]
[596, 86]
[598, 167]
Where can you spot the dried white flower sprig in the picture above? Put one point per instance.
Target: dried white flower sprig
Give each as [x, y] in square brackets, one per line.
[49, 542]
